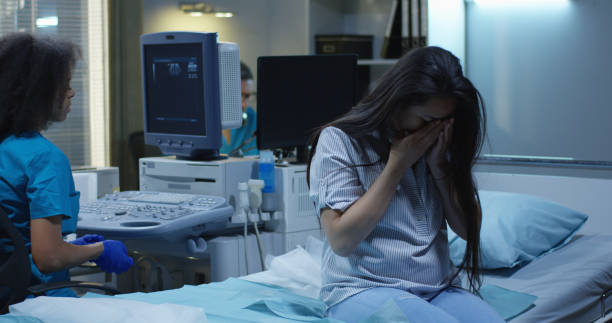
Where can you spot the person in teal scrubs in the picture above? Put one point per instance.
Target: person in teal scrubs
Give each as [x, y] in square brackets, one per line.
[242, 141]
[36, 185]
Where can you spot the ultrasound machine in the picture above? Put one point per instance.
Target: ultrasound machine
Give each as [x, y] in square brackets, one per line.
[191, 91]
[188, 203]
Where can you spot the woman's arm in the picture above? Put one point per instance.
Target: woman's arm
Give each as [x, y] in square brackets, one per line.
[346, 230]
[51, 253]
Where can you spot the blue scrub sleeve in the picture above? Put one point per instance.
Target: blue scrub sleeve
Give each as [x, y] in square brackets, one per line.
[50, 188]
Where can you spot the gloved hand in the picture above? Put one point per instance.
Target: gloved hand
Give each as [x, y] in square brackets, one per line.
[87, 239]
[114, 258]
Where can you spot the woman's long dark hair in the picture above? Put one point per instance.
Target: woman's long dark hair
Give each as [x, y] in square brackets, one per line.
[421, 74]
[35, 75]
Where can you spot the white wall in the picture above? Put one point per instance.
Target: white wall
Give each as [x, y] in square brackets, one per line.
[543, 69]
[447, 26]
[287, 24]
[259, 27]
[588, 195]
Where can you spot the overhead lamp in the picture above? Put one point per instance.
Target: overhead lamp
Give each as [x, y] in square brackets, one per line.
[198, 9]
[224, 14]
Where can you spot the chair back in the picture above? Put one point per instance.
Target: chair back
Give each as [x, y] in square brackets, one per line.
[15, 271]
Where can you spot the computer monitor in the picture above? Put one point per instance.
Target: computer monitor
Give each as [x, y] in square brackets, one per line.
[191, 91]
[297, 94]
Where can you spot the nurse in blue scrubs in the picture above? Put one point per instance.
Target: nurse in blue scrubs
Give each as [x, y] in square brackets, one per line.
[36, 186]
[242, 141]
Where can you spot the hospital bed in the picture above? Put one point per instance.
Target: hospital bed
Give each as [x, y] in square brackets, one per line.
[567, 291]
[572, 283]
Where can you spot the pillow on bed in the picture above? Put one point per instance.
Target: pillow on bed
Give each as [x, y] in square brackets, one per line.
[517, 228]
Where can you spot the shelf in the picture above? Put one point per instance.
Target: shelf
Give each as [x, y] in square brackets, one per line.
[376, 61]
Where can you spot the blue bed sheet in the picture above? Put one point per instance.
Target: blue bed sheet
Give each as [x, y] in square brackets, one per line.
[237, 300]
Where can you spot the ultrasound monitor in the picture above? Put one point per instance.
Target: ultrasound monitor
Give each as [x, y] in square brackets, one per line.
[191, 91]
[297, 94]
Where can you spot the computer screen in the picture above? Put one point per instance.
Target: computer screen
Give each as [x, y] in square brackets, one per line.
[297, 94]
[191, 91]
[175, 69]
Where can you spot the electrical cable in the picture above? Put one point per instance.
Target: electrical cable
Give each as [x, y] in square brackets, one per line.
[246, 254]
[162, 274]
[135, 272]
[260, 245]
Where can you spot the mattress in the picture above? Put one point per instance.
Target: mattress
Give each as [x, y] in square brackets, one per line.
[568, 282]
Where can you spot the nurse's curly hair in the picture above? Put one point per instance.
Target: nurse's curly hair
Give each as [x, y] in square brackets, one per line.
[35, 75]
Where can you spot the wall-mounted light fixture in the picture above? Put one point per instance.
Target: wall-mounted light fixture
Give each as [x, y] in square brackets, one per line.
[521, 2]
[197, 9]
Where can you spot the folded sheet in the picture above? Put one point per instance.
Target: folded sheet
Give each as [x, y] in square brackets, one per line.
[296, 309]
[506, 302]
[104, 310]
[236, 300]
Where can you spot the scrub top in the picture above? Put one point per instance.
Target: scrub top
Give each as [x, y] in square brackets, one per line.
[244, 142]
[36, 182]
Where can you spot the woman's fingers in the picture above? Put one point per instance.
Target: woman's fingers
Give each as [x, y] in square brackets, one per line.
[438, 147]
[434, 133]
[429, 133]
[448, 132]
[433, 137]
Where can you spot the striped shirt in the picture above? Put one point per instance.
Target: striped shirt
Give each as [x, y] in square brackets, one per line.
[407, 249]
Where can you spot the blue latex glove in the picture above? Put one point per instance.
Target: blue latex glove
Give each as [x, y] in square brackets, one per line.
[87, 239]
[114, 258]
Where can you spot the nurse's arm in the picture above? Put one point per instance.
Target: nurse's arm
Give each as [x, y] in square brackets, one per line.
[51, 253]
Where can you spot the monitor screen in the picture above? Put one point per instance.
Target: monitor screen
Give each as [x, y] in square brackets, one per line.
[297, 94]
[174, 89]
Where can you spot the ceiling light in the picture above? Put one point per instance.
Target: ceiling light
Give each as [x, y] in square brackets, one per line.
[198, 9]
[224, 14]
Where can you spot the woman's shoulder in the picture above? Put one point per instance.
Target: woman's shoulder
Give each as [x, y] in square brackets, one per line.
[334, 141]
[360, 150]
[23, 142]
[333, 133]
[31, 146]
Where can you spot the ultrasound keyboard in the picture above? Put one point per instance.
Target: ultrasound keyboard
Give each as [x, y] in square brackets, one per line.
[164, 217]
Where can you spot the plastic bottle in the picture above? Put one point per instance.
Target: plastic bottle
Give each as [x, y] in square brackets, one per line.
[266, 173]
